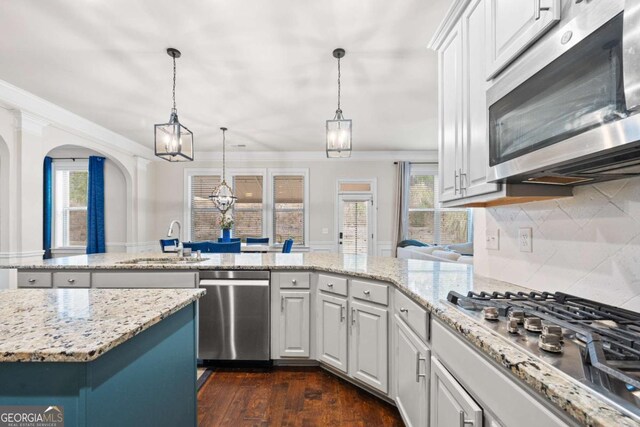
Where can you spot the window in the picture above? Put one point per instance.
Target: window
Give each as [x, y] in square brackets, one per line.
[426, 222]
[70, 203]
[289, 208]
[248, 209]
[273, 206]
[204, 217]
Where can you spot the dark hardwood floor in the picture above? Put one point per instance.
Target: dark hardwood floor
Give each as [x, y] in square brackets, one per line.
[288, 397]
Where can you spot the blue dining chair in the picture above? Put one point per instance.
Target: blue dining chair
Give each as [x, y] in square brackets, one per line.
[224, 248]
[286, 246]
[164, 243]
[232, 240]
[257, 240]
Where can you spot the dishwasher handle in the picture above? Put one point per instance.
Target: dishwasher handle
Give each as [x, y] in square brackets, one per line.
[232, 282]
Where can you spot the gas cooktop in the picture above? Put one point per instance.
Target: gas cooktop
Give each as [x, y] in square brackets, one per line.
[594, 343]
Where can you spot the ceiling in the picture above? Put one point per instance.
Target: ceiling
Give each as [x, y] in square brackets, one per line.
[262, 68]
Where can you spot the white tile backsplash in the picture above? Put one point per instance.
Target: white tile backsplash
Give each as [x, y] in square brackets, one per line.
[588, 245]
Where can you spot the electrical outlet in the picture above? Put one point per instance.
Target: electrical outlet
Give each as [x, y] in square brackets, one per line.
[493, 239]
[525, 240]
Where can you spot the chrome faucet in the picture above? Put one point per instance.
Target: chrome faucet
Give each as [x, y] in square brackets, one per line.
[179, 249]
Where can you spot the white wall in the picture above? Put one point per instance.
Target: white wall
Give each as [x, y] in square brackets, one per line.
[323, 176]
[587, 245]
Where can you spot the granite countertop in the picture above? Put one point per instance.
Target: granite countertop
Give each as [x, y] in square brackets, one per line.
[79, 325]
[426, 282]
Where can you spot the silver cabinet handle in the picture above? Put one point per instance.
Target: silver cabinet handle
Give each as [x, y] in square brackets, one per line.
[463, 183]
[463, 421]
[366, 292]
[404, 310]
[342, 313]
[418, 374]
[71, 280]
[353, 316]
[537, 8]
[282, 303]
[32, 280]
[329, 285]
[294, 282]
[455, 182]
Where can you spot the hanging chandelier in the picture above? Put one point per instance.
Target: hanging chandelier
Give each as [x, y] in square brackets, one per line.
[222, 195]
[338, 129]
[173, 141]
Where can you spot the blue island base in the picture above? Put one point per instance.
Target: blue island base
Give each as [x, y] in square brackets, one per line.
[150, 380]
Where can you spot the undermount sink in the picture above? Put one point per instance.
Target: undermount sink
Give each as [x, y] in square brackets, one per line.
[155, 261]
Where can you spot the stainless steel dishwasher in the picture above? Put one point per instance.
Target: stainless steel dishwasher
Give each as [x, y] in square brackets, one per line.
[234, 316]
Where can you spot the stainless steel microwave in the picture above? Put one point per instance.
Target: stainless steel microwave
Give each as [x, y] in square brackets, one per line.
[568, 112]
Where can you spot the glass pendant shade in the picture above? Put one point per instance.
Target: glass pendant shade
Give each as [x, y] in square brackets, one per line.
[222, 197]
[173, 141]
[338, 137]
[338, 129]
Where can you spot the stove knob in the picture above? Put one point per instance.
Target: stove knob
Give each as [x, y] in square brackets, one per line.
[551, 343]
[552, 330]
[490, 313]
[512, 326]
[533, 324]
[517, 315]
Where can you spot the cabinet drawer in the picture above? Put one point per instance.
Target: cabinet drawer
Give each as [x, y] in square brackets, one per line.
[34, 280]
[416, 317]
[297, 280]
[72, 280]
[333, 284]
[164, 279]
[369, 291]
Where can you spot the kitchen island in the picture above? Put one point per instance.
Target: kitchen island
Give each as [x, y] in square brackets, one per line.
[102, 357]
[424, 283]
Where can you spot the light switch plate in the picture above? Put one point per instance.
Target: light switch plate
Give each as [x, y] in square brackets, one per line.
[525, 239]
[493, 239]
[325, 231]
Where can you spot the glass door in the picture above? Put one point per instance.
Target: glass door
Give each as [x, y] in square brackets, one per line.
[355, 235]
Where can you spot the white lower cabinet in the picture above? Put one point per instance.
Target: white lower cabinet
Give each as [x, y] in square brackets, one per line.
[451, 405]
[332, 331]
[411, 375]
[368, 360]
[294, 323]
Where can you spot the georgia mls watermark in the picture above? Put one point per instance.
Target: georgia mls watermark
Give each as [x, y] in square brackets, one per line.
[31, 416]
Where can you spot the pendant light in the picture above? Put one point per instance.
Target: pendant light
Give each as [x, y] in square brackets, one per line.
[338, 129]
[173, 141]
[222, 196]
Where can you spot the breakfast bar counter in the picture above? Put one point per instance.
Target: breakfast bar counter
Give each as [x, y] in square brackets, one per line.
[79, 350]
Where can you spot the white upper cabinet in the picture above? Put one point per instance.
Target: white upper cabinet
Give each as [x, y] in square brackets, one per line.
[512, 26]
[450, 114]
[474, 136]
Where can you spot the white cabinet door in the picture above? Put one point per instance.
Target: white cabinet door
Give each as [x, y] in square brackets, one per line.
[474, 137]
[450, 114]
[369, 346]
[451, 405]
[513, 25]
[332, 331]
[411, 374]
[294, 324]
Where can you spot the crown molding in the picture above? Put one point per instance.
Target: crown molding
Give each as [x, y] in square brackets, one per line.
[32, 106]
[30, 123]
[449, 21]
[319, 156]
